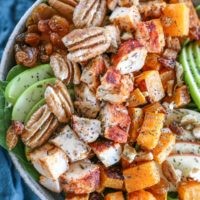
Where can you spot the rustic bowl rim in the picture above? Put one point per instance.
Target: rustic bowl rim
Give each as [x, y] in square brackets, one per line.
[7, 62]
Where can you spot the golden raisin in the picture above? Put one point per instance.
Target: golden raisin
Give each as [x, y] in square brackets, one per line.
[33, 39]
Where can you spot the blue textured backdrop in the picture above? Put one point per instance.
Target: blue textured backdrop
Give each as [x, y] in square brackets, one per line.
[12, 186]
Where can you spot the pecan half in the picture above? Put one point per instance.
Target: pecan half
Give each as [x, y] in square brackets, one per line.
[64, 7]
[170, 172]
[39, 127]
[65, 70]
[59, 101]
[87, 43]
[89, 13]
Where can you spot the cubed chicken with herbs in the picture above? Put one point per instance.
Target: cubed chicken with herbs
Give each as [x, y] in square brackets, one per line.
[87, 129]
[108, 152]
[68, 141]
[126, 18]
[51, 184]
[93, 71]
[86, 102]
[150, 33]
[115, 88]
[46, 158]
[130, 57]
[115, 122]
[81, 178]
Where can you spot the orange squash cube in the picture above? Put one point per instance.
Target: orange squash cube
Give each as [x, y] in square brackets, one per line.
[141, 195]
[150, 82]
[166, 75]
[151, 62]
[164, 146]
[136, 115]
[180, 97]
[77, 197]
[154, 107]
[114, 196]
[151, 130]
[136, 98]
[141, 176]
[176, 20]
[161, 196]
[112, 178]
[189, 190]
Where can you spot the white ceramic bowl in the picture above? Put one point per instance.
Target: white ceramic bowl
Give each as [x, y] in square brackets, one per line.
[6, 63]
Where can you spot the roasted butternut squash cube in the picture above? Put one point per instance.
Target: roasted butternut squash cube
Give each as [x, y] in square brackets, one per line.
[141, 195]
[150, 33]
[150, 82]
[189, 190]
[154, 107]
[194, 19]
[176, 19]
[137, 116]
[180, 98]
[114, 196]
[112, 178]
[164, 146]
[151, 130]
[141, 176]
[160, 189]
[160, 196]
[77, 197]
[136, 98]
[166, 75]
[151, 62]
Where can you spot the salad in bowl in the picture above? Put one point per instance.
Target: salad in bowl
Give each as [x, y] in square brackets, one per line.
[103, 101]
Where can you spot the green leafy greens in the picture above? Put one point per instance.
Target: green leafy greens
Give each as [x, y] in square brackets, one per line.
[5, 121]
[172, 196]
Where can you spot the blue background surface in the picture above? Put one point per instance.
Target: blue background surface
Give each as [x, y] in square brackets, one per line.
[12, 186]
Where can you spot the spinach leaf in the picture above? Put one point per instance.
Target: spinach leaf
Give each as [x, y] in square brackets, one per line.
[5, 121]
[172, 196]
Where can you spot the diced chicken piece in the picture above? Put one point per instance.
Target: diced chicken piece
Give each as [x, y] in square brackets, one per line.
[87, 129]
[126, 18]
[151, 9]
[51, 184]
[46, 158]
[111, 4]
[115, 122]
[81, 178]
[86, 109]
[150, 34]
[129, 153]
[115, 88]
[86, 102]
[71, 144]
[93, 71]
[114, 33]
[150, 82]
[107, 151]
[130, 57]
